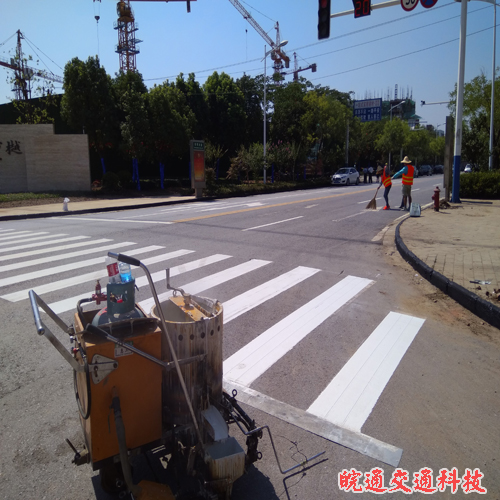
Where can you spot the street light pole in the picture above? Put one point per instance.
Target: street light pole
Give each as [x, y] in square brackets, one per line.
[457, 154]
[266, 53]
[265, 111]
[402, 102]
[492, 113]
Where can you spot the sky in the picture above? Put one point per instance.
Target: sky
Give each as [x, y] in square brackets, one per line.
[417, 50]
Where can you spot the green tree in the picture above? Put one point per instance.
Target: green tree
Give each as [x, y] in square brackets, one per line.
[476, 115]
[247, 163]
[171, 121]
[253, 93]
[363, 143]
[437, 145]
[416, 145]
[392, 139]
[88, 104]
[288, 107]
[226, 108]
[324, 124]
[197, 102]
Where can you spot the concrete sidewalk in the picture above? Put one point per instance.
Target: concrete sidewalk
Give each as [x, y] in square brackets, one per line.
[455, 249]
[451, 248]
[92, 206]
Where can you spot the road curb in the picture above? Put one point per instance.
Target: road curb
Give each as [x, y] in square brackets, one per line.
[477, 305]
[97, 210]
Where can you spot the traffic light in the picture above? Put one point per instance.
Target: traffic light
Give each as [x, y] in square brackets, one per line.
[324, 19]
[362, 8]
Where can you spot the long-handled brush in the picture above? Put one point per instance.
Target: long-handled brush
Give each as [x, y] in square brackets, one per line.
[372, 205]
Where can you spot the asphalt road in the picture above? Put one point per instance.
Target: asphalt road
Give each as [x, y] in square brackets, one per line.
[410, 378]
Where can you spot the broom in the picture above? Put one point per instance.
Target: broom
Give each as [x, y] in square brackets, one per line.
[372, 205]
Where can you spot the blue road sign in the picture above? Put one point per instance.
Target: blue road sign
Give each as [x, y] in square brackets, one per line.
[428, 3]
[368, 110]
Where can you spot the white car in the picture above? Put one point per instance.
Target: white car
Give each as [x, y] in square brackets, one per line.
[346, 176]
[468, 168]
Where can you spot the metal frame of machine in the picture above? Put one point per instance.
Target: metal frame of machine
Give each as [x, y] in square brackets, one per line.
[135, 393]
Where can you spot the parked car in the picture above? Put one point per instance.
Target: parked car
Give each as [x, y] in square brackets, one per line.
[346, 176]
[438, 169]
[425, 170]
[468, 168]
[416, 173]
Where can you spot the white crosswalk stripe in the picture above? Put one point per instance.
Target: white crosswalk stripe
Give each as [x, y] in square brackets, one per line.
[40, 251]
[53, 258]
[69, 303]
[36, 238]
[203, 284]
[259, 355]
[61, 269]
[84, 278]
[348, 399]
[262, 293]
[14, 236]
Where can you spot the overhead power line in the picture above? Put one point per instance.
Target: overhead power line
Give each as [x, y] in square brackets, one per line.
[400, 56]
[355, 32]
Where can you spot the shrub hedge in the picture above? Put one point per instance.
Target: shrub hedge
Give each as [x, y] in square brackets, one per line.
[482, 185]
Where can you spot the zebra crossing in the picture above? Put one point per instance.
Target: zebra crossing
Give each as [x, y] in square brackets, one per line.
[343, 406]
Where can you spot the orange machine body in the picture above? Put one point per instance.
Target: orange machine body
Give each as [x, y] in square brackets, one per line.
[138, 382]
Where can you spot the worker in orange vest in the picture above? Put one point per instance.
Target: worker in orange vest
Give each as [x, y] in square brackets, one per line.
[386, 182]
[407, 173]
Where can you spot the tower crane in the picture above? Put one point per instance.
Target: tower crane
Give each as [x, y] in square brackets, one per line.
[126, 26]
[277, 55]
[296, 70]
[23, 73]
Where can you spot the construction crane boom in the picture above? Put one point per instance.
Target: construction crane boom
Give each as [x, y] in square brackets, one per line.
[253, 22]
[296, 70]
[277, 54]
[23, 73]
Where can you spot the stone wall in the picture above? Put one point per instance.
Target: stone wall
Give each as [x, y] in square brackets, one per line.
[33, 159]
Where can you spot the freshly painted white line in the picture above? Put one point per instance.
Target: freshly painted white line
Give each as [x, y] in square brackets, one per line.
[21, 234]
[69, 303]
[6, 230]
[75, 217]
[350, 397]
[53, 258]
[260, 354]
[272, 223]
[24, 240]
[381, 234]
[407, 214]
[260, 294]
[356, 441]
[312, 206]
[366, 201]
[45, 243]
[349, 216]
[216, 279]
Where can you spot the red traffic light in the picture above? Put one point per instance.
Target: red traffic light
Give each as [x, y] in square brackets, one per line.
[324, 19]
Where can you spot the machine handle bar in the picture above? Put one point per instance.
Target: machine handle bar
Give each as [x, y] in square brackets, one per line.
[125, 258]
[36, 313]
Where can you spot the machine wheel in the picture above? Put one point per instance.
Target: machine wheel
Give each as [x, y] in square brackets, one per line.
[357, 181]
[348, 182]
[112, 481]
[81, 383]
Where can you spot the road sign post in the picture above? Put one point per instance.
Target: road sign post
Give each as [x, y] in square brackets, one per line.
[197, 150]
